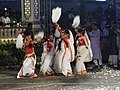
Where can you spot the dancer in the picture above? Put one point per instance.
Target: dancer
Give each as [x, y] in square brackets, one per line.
[29, 62]
[65, 51]
[84, 52]
[47, 56]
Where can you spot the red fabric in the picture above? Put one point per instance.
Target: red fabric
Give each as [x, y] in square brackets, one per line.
[81, 41]
[66, 42]
[33, 55]
[29, 47]
[49, 46]
[45, 37]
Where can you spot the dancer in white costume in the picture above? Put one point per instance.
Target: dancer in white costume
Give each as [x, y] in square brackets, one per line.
[29, 62]
[84, 53]
[47, 56]
[58, 52]
[65, 52]
[56, 14]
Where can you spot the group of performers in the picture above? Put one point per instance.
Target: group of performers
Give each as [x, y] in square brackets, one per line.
[58, 53]
[59, 50]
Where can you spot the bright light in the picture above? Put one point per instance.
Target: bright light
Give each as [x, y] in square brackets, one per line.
[5, 9]
[100, 0]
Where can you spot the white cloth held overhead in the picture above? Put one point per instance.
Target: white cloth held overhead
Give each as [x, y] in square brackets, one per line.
[56, 13]
[76, 21]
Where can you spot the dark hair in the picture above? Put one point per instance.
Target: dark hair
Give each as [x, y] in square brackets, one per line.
[82, 31]
[27, 33]
[66, 31]
[51, 34]
[78, 28]
[94, 23]
[29, 24]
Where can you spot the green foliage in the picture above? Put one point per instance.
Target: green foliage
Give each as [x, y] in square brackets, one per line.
[38, 59]
[38, 51]
[10, 55]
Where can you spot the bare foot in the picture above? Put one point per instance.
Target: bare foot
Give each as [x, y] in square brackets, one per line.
[33, 76]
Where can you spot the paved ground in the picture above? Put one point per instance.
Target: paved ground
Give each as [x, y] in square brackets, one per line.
[106, 79]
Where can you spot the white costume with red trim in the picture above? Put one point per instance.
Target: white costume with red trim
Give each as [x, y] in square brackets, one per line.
[84, 54]
[29, 62]
[47, 57]
[64, 56]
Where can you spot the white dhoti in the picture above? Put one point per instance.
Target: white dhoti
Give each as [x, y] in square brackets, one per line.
[65, 64]
[82, 56]
[46, 63]
[63, 59]
[58, 61]
[28, 67]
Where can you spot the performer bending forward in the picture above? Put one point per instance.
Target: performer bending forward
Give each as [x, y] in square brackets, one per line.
[29, 62]
[47, 56]
[84, 52]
